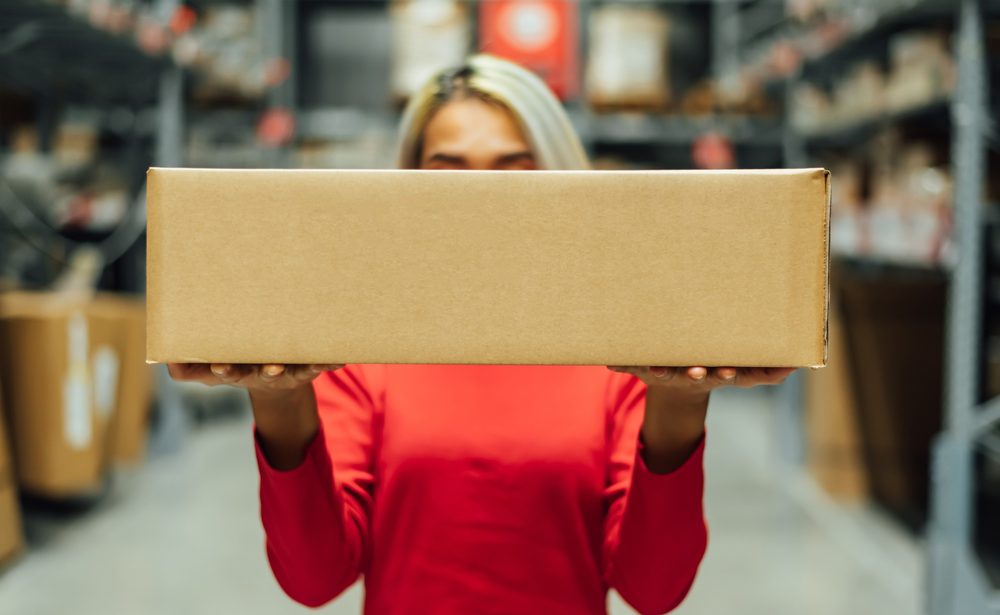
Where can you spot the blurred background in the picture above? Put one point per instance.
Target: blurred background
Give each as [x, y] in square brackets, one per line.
[872, 486]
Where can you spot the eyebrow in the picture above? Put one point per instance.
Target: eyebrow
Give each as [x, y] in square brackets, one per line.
[446, 158]
[458, 159]
[515, 157]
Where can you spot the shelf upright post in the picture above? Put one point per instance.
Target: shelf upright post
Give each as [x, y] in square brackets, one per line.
[792, 391]
[169, 431]
[952, 488]
[277, 22]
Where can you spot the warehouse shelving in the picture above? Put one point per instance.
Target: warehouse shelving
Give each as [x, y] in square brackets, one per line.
[862, 41]
[858, 131]
[46, 49]
[958, 582]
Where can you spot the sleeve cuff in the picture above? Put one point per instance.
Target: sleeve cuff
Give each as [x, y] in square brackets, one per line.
[691, 468]
[268, 473]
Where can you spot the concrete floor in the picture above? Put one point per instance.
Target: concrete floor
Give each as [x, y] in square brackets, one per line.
[182, 535]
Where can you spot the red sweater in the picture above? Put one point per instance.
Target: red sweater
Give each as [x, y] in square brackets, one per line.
[482, 489]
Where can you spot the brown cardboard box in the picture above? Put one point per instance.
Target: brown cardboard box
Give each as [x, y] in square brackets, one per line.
[628, 58]
[11, 537]
[130, 427]
[523, 267]
[833, 439]
[59, 365]
[894, 321]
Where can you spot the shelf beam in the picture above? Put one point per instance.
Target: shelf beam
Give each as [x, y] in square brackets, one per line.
[987, 417]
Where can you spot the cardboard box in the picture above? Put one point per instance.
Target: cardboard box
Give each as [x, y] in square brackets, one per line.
[59, 365]
[628, 58]
[894, 320]
[11, 533]
[833, 436]
[129, 429]
[522, 267]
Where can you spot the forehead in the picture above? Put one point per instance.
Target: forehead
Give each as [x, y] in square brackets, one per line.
[473, 123]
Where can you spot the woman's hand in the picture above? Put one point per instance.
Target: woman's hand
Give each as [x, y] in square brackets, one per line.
[677, 403]
[270, 377]
[693, 380]
[284, 406]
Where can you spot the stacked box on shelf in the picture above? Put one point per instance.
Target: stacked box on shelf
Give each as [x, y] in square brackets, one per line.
[426, 37]
[627, 61]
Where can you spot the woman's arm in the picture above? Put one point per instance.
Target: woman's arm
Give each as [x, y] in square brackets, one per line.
[315, 451]
[316, 515]
[654, 531]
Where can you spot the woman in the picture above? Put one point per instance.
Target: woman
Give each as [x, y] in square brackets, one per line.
[483, 489]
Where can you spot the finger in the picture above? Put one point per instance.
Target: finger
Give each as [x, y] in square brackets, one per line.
[698, 374]
[302, 373]
[777, 375]
[179, 371]
[726, 374]
[191, 372]
[662, 372]
[270, 372]
[319, 368]
[226, 372]
[753, 376]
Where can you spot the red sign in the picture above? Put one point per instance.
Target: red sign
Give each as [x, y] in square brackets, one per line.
[540, 35]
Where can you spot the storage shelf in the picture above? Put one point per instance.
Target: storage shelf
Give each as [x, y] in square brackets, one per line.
[676, 129]
[622, 128]
[858, 132]
[864, 41]
[879, 265]
[45, 49]
[860, 43]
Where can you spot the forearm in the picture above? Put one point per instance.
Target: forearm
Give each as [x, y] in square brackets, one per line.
[287, 421]
[659, 539]
[314, 532]
[672, 427]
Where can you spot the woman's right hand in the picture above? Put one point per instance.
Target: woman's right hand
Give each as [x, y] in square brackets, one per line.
[268, 377]
[284, 405]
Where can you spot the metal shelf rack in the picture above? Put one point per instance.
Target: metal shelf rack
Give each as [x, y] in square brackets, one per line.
[958, 583]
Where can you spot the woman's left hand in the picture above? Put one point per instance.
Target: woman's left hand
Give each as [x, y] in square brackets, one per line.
[677, 402]
[703, 379]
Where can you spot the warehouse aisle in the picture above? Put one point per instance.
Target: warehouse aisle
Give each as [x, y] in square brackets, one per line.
[182, 536]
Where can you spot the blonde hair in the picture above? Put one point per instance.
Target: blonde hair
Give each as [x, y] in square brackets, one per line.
[546, 126]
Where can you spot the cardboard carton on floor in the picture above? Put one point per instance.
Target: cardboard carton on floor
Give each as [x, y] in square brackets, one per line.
[11, 537]
[523, 267]
[130, 427]
[60, 368]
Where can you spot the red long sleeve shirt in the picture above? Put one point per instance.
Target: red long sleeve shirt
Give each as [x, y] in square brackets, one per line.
[482, 489]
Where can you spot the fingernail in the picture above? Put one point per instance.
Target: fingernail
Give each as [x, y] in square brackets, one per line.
[273, 370]
[698, 374]
[220, 370]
